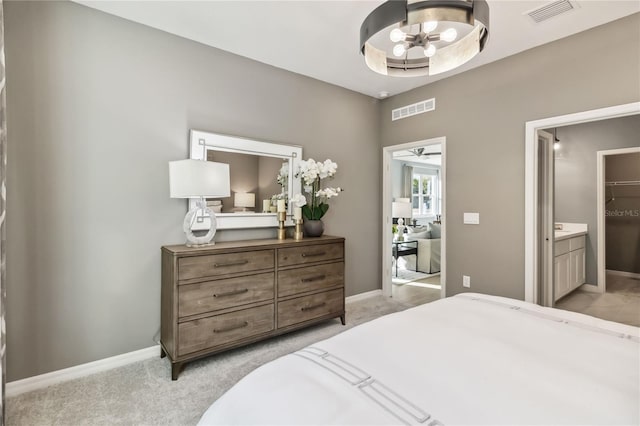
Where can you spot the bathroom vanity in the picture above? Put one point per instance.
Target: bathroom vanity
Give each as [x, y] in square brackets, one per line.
[569, 258]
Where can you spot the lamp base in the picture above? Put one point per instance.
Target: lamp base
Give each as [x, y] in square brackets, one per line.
[189, 219]
[201, 245]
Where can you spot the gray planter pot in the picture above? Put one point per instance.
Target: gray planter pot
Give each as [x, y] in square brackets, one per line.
[313, 228]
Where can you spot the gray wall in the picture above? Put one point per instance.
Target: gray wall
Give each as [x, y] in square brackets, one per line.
[97, 107]
[482, 113]
[623, 231]
[576, 175]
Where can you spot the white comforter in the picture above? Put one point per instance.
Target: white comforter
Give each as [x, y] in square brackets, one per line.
[468, 359]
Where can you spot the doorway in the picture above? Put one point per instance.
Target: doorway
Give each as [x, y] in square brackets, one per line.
[539, 233]
[607, 188]
[389, 256]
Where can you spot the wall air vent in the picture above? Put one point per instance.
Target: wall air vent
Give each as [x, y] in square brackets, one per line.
[551, 10]
[413, 109]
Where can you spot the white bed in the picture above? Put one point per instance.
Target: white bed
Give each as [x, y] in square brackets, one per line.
[469, 359]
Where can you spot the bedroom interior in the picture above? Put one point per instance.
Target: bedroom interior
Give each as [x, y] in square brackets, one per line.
[101, 96]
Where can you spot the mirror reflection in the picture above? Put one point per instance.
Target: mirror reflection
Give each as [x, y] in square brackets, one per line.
[256, 182]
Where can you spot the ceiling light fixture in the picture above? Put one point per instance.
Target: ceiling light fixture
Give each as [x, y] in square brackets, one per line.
[414, 38]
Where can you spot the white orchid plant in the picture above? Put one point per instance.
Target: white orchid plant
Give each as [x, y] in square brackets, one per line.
[312, 173]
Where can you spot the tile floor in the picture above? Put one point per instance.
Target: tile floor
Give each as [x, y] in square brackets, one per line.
[621, 302]
[417, 292]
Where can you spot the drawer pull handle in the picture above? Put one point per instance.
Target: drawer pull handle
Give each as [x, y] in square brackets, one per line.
[231, 293]
[312, 279]
[233, 327]
[311, 307]
[318, 253]
[222, 265]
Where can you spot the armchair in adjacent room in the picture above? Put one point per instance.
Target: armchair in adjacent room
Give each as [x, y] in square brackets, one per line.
[429, 249]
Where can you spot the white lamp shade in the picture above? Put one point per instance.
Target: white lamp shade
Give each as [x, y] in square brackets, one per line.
[244, 199]
[198, 178]
[401, 209]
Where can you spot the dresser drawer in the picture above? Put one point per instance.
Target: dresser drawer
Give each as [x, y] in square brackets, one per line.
[306, 308]
[310, 278]
[218, 330]
[226, 293]
[308, 254]
[222, 264]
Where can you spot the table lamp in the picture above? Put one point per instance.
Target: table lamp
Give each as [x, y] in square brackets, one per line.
[198, 179]
[401, 209]
[244, 200]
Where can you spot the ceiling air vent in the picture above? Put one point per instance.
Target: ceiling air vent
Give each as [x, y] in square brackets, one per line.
[551, 10]
[413, 109]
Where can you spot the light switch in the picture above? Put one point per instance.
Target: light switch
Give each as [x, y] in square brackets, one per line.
[472, 218]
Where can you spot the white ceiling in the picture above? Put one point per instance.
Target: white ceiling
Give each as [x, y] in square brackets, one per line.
[320, 39]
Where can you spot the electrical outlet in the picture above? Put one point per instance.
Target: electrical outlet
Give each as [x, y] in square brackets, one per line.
[466, 281]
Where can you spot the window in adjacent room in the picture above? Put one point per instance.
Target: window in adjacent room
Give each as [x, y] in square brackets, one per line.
[424, 194]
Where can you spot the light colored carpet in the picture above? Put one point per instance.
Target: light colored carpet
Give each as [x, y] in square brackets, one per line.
[144, 394]
[621, 302]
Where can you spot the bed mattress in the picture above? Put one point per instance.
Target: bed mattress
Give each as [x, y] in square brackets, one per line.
[468, 359]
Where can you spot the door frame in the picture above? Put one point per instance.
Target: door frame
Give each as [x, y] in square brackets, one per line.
[545, 295]
[532, 260]
[387, 157]
[601, 232]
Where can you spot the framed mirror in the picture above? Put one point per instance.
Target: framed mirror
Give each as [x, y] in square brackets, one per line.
[260, 173]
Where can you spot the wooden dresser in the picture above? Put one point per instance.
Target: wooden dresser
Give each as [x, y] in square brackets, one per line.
[234, 293]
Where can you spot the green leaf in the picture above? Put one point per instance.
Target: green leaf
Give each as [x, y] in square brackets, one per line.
[306, 212]
[322, 209]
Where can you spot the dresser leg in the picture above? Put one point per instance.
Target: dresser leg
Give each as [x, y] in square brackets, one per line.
[176, 367]
[342, 318]
[162, 352]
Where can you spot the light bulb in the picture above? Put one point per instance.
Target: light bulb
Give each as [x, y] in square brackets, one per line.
[556, 146]
[429, 26]
[449, 35]
[399, 50]
[397, 35]
[430, 51]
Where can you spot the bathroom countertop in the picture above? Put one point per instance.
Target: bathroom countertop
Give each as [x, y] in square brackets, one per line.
[565, 230]
[563, 235]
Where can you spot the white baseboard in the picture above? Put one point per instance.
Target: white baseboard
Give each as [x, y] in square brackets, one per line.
[18, 387]
[43, 380]
[362, 296]
[624, 274]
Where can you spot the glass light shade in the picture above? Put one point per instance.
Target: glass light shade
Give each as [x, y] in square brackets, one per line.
[430, 26]
[397, 35]
[399, 50]
[430, 51]
[431, 18]
[198, 178]
[449, 35]
[244, 199]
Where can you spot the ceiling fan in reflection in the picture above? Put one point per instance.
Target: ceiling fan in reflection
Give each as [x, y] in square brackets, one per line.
[419, 152]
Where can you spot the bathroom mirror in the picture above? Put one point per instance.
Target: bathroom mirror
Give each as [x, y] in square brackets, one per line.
[258, 171]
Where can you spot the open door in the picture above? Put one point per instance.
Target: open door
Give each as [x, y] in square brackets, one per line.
[545, 289]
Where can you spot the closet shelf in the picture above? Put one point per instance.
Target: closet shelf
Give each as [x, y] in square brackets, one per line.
[623, 183]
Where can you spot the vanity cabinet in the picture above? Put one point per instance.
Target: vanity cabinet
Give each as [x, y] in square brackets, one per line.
[234, 293]
[569, 265]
